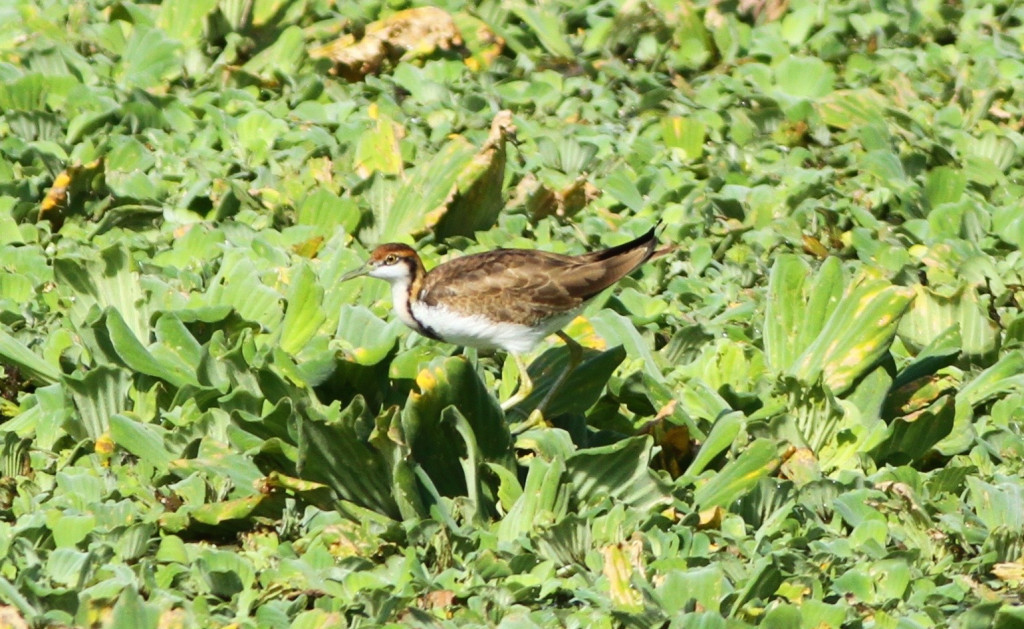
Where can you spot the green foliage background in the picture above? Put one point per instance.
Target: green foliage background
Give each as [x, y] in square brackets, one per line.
[807, 415]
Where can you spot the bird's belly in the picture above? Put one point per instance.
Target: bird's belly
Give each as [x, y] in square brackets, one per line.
[476, 330]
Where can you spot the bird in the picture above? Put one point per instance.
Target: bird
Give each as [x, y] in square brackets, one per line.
[506, 299]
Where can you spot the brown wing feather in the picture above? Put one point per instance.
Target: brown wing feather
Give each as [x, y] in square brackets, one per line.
[529, 286]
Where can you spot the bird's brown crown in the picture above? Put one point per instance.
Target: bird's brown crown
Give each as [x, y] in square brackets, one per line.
[391, 253]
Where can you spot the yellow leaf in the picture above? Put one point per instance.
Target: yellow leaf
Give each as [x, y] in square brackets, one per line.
[426, 380]
[1012, 571]
[104, 445]
[57, 194]
[378, 149]
[618, 570]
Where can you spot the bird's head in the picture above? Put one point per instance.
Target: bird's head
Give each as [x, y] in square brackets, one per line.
[393, 262]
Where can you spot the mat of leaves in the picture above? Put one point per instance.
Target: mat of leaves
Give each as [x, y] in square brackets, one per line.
[808, 414]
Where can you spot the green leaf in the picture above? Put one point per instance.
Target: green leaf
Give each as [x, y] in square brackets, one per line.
[324, 209]
[15, 353]
[548, 29]
[365, 338]
[933, 314]
[258, 132]
[615, 328]
[885, 166]
[148, 59]
[1006, 375]
[581, 389]
[435, 443]
[912, 437]
[853, 109]
[282, 57]
[804, 77]
[98, 395]
[15, 287]
[186, 19]
[304, 314]
[544, 500]
[175, 344]
[992, 149]
[621, 185]
[137, 357]
[796, 311]
[620, 471]
[705, 585]
[104, 281]
[143, 440]
[131, 611]
[685, 134]
[722, 436]
[944, 185]
[67, 566]
[765, 577]
[337, 453]
[737, 477]
[238, 285]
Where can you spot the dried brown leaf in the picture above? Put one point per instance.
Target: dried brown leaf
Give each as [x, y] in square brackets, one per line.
[414, 32]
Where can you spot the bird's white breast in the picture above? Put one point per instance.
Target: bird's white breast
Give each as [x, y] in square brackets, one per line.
[480, 331]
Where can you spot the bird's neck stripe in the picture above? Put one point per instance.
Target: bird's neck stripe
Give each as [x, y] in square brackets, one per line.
[413, 294]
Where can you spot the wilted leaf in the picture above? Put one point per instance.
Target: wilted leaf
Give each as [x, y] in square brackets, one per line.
[415, 32]
[618, 570]
[483, 44]
[801, 466]
[456, 192]
[476, 200]
[856, 335]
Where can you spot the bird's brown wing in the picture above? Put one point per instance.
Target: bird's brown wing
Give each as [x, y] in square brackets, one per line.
[530, 286]
[600, 269]
[523, 285]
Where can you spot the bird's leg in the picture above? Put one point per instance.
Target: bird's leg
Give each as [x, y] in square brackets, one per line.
[575, 358]
[525, 384]
[536, 417]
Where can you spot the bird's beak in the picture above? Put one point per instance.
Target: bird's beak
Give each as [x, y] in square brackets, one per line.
[363, 270]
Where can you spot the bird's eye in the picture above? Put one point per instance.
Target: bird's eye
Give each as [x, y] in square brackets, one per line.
[391, 259]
